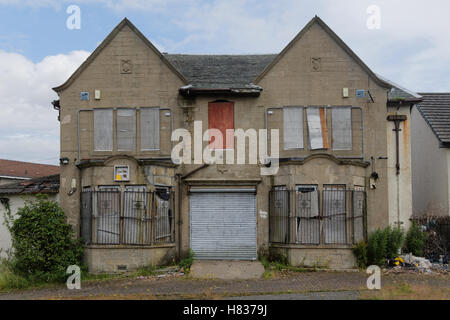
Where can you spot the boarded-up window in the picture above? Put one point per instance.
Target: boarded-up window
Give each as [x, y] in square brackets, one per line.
[150, 129]
[126, 129]
[221, 117]
[317, 128]
[293, 128]
[308, 222]
[342, 128]
[103, 130]
[335, 214]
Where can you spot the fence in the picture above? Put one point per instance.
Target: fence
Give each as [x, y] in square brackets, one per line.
[130, 217]
[311, 217]
[438, 241]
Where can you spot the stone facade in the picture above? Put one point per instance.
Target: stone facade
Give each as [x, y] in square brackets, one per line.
[311, 71]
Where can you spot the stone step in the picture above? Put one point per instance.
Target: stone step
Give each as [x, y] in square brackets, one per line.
[227, 270]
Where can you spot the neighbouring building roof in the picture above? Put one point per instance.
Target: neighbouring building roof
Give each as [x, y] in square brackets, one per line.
[400, 94]
[26, 170]
[435, 109]
[221, 71]
[43, 185]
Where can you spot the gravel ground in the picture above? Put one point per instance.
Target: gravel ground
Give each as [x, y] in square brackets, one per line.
[345, 295]
[173, 287]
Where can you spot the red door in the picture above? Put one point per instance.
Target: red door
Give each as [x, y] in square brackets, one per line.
[221, 117]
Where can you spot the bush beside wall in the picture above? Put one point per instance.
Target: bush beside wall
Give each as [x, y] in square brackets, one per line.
[43, 243]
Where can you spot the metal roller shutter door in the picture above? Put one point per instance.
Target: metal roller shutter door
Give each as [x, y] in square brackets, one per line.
[223, 226]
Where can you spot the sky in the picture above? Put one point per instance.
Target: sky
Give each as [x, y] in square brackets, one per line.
[408, 44]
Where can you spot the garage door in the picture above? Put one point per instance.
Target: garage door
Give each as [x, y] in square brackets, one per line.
[223, 225]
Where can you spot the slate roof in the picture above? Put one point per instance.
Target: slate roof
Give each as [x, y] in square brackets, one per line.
[221, 71]
[27, 170]
[43, 185]
[397, 93]
[435, 109]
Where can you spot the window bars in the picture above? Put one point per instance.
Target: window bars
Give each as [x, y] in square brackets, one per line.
[307, 216]
[131, 217]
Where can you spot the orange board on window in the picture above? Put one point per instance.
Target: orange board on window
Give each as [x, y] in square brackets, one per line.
[221, 117]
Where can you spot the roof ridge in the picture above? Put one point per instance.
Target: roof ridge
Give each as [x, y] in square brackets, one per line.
[220, 54]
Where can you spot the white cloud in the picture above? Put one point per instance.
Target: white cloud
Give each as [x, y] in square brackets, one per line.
[28, 123]
[118, 5]
[410, 48]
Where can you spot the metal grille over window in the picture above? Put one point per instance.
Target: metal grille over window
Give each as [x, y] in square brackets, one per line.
[163, 216]
[279, 219]
[342, 128]
[308, 223]
[333, 216]
[317, 128]
[150, 129]
[293, 128]
[126, 129]
[131, 217]
[136, 220]
[107, 214]
[103, 130]
[359, 209]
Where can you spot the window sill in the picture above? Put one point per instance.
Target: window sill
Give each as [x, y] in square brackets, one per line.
[128, 246]
[312, 246]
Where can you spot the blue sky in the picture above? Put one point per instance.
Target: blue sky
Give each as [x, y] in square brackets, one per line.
[38, 51]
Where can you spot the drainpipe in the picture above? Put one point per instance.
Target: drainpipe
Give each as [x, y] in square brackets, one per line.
[180, 221]
[397, 119]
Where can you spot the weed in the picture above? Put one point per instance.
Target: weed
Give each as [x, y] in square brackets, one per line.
[187, 262]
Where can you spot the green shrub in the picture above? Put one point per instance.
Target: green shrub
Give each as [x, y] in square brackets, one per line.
[395, 242]
[43, 243]
[415, 240]
[383, 245]
[377, 248]
[360, 252]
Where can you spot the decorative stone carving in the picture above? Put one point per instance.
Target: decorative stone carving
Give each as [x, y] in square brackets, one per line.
[126, 66]
[316, 64]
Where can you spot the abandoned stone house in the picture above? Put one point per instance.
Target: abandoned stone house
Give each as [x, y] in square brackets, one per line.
[344, 153]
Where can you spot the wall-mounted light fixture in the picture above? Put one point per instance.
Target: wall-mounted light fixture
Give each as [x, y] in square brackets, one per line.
[64, 161]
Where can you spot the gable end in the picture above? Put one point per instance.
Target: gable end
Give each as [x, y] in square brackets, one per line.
[108, 39]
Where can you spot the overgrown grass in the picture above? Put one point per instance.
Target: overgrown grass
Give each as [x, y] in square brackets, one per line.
[11, 281]
[404, 291]
[272, 267]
